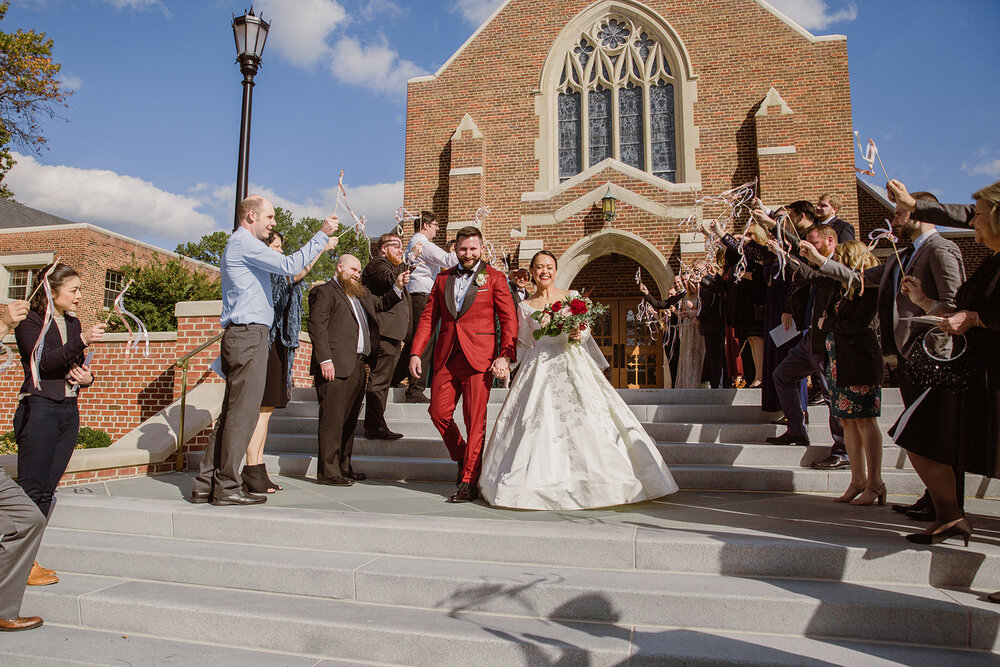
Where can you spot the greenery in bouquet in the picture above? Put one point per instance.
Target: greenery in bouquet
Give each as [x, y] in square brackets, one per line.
[575, 312]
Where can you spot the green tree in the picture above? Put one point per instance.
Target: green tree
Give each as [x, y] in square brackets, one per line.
[207, 249]
[29, 92]
[157, 288]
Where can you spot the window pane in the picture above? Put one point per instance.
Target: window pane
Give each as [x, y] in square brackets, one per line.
[630, 120]
[20, 279]
[599, 106]
[569, 135]
[662, 131]
[113, 284]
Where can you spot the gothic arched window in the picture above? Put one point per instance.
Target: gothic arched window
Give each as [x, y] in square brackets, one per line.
[616, 99]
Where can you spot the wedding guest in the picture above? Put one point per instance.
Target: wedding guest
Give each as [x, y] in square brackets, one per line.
[345, 332]
[950, 429]
[434, 260]
[21, 525]
[379, 277]
[854, 371]
[809, 296]
[519, 282]
[826, 214]
[691, 357]
[286, 294]
[247, 317]
[47, 418]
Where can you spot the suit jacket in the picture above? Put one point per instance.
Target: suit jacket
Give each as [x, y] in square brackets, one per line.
[938, 265]
[712, 309]
[57, 357]
[516, 296]
[803, 281]
[852, 323]
[334, 330]
[845, 231]
[379, 277]
[472, 328]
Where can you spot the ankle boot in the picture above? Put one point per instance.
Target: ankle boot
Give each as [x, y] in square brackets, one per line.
[255, 480]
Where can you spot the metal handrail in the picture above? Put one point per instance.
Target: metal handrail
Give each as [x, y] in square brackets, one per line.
[184, 363]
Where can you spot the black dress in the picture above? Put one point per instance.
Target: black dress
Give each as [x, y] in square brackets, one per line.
[960, 429]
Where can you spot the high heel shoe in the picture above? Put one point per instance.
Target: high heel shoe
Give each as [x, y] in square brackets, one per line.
[962, 528]
[255, 480]
[849, 495]
[879, 498]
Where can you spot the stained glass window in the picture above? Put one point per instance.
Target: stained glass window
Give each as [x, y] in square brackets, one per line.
[630, 115]
[663, 147]
[599, 102]
[569, 135]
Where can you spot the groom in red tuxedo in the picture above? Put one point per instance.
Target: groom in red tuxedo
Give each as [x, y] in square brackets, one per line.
[465, 300]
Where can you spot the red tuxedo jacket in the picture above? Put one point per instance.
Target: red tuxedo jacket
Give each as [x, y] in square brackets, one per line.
[472, 328]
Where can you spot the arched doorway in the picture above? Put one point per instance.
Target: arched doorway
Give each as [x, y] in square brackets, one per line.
[605, 263]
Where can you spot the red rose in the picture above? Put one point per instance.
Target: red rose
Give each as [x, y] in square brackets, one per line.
[577, 307]
[556, 306]
[583, 325]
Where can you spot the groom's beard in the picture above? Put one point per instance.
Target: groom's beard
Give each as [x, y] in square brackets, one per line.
[470, 264]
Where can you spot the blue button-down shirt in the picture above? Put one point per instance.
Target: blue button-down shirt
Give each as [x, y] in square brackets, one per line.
[247, 265]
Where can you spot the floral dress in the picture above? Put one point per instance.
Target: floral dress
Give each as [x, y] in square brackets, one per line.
[854, 402]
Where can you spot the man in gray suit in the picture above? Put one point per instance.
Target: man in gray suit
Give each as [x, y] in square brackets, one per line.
[937, 262]
[21, 525]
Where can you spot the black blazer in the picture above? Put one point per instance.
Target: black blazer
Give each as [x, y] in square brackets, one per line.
[827, 290]
[334, 331]
[853, 323]
[665, 303]
[379, 277]
[845, 232]
[57, 357]
[712, 311]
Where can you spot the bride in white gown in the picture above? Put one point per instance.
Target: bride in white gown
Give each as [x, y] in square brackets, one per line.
[564, 438]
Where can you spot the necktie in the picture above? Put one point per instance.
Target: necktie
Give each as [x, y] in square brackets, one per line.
[462, 271]
[359, 315]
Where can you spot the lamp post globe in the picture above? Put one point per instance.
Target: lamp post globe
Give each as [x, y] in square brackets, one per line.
[250, 32]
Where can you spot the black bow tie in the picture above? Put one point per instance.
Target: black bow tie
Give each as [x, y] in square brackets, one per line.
[462, 271]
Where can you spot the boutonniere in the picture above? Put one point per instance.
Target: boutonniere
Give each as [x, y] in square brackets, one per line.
[481, 279]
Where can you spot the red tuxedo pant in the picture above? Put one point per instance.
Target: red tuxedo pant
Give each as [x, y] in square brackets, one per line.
[457, 379]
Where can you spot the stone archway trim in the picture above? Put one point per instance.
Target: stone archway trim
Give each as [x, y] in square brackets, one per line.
[610, 240]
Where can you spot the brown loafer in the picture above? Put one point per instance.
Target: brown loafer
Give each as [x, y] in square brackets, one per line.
[19, 623]
[44, 569]
[37, 577]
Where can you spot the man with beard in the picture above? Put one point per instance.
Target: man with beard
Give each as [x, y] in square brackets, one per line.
[345, 335]
[394, 327]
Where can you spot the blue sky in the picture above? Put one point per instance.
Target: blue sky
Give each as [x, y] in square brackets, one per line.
[148, 145]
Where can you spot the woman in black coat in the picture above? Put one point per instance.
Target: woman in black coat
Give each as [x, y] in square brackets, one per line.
[47, 419]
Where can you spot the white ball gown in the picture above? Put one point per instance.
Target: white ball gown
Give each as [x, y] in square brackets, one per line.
[565, 439]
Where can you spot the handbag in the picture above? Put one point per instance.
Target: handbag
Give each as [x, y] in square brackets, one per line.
[928, 370]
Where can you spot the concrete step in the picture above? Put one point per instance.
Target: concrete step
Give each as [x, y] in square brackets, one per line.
[335, 543]
[907, 613]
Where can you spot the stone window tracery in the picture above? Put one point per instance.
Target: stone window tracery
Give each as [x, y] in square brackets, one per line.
[616, 99]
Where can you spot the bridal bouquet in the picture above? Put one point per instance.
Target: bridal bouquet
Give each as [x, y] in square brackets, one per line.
[574, 313]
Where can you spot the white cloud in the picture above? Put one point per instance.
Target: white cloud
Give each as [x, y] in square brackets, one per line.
[987, 166]
[300, 28]
[476, 11]
[376, 66]
[124, 204]
[816, 14]
[377, 202]
[70, 82]
[376, 8]
[139, 5]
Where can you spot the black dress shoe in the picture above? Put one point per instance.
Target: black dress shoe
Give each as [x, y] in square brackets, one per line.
[780, 421]
[239, 498]
[923, 514]
[815, 398]
[787, 438]
[416, 398]
[197, 497]
[357, 476]
[923, 502]
[832, 462]
[382, 434]
[466, 493]
[335, 481]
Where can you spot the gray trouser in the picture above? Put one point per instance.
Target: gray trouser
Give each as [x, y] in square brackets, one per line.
[800, 363]
[244, 363]
[21, 528]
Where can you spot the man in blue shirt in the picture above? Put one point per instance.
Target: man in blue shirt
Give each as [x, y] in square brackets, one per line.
[247, 314]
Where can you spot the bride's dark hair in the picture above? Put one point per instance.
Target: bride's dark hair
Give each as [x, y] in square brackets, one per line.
[547, 254]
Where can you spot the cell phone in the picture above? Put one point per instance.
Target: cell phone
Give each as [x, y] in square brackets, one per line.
[89, 358]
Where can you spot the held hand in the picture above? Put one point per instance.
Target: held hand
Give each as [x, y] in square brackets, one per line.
[898, 195]
[960, 322]
[416, 368]
[913, 288]
[643, 289]
[500, 367]
[788, 321]
[809, 252]
[576, 334]
[331, 224]
[15, 312]
[820, 321]
[763, 218]
[417, 249]
[80, 375]
[403, 279]
[93, 334]
[327, 371]
[331, 245]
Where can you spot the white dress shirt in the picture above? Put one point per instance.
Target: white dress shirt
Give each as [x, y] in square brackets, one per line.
[462, 284]
[431, 262]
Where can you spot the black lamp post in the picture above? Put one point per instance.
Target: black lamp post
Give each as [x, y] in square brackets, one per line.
[250, 32]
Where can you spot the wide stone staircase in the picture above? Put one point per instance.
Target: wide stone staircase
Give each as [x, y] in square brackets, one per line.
[713, 575]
